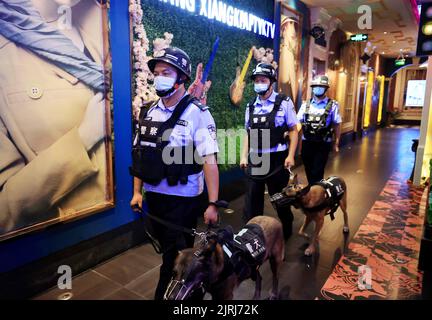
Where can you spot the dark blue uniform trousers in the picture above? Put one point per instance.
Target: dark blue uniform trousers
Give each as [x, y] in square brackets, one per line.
[182, 211]
[254, 200]
[315, 155]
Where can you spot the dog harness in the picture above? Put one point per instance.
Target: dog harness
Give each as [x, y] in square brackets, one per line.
[244, 252]
[333, 193]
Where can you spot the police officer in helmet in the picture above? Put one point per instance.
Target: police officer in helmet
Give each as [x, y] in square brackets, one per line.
[320, 122]
[173, 152]
[269, 120]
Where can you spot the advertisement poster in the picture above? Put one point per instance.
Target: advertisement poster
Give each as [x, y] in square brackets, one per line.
[290, 48]
[56, 157]
[416, 90]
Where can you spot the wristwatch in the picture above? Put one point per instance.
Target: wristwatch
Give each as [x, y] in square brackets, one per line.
[219, 204]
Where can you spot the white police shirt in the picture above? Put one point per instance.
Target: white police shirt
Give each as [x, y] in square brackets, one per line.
[285, 115]
[194, 125]
[318, 107]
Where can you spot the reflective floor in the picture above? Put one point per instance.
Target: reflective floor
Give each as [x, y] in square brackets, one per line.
[366, 165]
[388, 243]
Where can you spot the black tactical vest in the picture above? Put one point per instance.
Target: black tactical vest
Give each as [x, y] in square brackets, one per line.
[247, 250]
[334, 191]
[147, 161]
[315, 125]
[262, 122]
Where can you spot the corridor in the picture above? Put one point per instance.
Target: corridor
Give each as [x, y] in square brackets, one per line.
[366, 164]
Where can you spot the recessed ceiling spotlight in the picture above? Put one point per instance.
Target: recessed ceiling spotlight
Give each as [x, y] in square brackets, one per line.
[385, 32]
[394, 41]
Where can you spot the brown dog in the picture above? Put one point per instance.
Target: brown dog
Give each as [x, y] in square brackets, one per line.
[316, 202]
[218, 268]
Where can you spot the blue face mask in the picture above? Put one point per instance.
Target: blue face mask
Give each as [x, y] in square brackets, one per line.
[164, 85]
[319, 91]
[261, 88]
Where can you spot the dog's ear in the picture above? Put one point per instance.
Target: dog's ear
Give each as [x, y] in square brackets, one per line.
[217, 263]
[209, 248]
[218, 259]
[295, 179]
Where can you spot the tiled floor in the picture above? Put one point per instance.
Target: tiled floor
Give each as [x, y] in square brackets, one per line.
[366, 165]
[388, 242]
[120, 278]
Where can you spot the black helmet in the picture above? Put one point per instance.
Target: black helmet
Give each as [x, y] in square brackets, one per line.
[175, 57]
[264, 69]
[321, 81]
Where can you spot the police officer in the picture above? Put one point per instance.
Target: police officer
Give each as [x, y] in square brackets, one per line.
[321, 123]
[269, 120]
[174, 151]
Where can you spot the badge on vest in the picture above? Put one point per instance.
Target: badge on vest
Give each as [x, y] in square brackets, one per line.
[183, 123]
[153, 130]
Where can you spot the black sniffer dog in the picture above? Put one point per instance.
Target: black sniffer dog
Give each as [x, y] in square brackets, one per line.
[316, 201]
[223, 260]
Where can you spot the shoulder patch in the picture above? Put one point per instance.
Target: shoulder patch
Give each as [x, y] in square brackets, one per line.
[201, 106]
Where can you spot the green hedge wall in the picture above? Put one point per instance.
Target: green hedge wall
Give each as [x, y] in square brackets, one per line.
[196, 34]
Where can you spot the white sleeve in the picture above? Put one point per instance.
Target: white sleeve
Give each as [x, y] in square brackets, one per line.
[336, 119]
[290, 115]
[205, 137]
[300, 113]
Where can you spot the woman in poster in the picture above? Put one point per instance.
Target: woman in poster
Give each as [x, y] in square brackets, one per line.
[288, 65]
[53, 162]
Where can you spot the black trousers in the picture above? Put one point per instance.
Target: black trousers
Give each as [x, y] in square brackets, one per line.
[182, 211]
[254, 200]
[315, 155]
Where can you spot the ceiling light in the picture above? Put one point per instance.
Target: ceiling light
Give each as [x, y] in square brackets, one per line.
[427, 46]
[385, 32]
[427, 29]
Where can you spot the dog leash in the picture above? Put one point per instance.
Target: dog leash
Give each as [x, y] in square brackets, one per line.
[165, 223]
[170, 225]
[262, 178]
